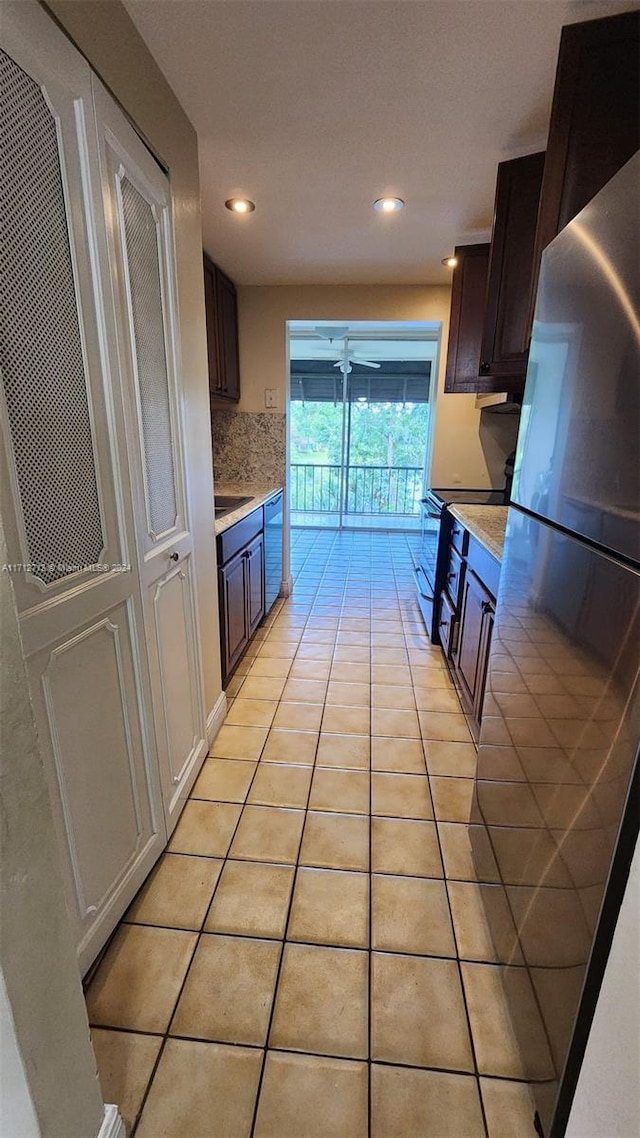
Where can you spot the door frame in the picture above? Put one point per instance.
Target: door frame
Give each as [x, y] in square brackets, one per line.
[421, 331]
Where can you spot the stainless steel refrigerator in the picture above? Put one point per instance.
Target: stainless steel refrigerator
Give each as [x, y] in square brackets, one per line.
[558, 758]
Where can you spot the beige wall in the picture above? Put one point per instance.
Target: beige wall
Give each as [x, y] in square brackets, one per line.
[463, 453]
[109, 40]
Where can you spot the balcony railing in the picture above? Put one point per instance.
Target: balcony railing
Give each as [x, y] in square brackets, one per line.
[367, 489]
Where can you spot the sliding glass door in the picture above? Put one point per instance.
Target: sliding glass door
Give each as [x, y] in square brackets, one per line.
[360, 421]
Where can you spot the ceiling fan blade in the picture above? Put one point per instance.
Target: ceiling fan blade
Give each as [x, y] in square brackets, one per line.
[364, 363]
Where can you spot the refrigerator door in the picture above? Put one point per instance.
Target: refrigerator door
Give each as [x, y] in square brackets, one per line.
[558, 744]
[577, 455]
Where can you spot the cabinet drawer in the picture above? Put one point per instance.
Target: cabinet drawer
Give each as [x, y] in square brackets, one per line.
[232, 540]
[447, 625]
[455, 572]
[459, 537]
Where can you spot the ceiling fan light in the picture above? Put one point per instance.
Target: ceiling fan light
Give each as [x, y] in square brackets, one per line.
[450, 262]
[389, 205]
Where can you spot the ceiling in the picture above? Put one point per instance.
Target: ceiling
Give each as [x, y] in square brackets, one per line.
[314, 108]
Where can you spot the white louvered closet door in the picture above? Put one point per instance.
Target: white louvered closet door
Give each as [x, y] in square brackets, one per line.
[65, 488]
[137, 211]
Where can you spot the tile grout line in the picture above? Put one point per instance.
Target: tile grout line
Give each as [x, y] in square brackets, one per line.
[197, 943]
[198, 939]
[340, 603]
[370, 955]
[460, 978]
[286, 927]
[199, 936]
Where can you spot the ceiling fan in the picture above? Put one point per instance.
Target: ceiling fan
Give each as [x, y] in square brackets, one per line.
[331, 333]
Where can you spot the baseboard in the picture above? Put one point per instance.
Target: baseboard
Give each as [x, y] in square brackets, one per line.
[112, 1123]
[216, 717]
[286, 587]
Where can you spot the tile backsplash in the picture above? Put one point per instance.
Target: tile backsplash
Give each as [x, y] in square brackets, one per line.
[248, 446]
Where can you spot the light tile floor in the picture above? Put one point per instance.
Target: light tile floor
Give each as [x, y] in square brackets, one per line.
[310, 957]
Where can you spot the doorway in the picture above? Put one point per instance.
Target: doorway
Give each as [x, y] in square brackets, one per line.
[360, 422]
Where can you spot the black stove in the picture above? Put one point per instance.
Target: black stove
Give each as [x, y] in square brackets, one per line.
[435, 527]
[452, 496]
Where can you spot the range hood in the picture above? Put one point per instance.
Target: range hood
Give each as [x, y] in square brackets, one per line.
[500, 403]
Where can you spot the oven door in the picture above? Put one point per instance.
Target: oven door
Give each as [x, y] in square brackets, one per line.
[425, 570]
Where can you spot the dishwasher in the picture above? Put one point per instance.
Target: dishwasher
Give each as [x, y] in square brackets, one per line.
[272, 549]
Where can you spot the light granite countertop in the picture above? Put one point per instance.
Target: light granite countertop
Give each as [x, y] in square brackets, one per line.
[486, 523]
[259, 492]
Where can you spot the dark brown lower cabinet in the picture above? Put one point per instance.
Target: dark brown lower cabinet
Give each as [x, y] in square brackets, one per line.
[255, 583]
[240, 588]
[466, 614]
[234, 630]
[474, 639]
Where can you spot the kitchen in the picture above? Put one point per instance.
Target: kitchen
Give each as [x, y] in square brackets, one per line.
[197, 411]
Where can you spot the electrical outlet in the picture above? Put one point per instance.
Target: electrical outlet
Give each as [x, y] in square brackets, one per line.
[270, 398]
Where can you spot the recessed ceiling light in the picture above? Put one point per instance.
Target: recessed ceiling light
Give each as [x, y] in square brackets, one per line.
[449, 262]
[389, 205]
[240, 205]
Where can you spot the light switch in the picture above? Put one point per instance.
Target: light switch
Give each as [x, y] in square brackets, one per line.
[270, 398]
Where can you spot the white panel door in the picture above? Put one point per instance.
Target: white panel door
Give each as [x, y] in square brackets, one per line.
[64, 487]
[137, 211]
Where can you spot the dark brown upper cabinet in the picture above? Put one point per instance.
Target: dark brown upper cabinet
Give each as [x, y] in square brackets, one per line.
[221, 305]
[504, 351]
[488, 336]
[211, 308]
[468, 299]
[595, 119]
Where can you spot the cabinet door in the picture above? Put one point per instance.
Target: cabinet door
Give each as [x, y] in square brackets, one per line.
[210, 303]
[137, 217]
[255, 583]
[595, 119]
[468, 299]
[65, 490]
[232, 584]
[476, 603]
[505, 338]
[486, 631]
[227, 307]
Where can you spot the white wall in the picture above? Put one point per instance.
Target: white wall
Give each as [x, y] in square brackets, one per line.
[17, 1113]
[37, 954]
[607, 1099]
[114, 48]
[463, 454]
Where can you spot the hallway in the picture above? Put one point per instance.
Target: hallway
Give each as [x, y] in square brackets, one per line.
[310, 958]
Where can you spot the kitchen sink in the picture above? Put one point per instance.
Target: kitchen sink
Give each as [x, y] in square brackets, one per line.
[225, 503]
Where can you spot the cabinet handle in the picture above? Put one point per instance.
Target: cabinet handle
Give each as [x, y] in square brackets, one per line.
[174, 556]
[484, 368]
[487, 606]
